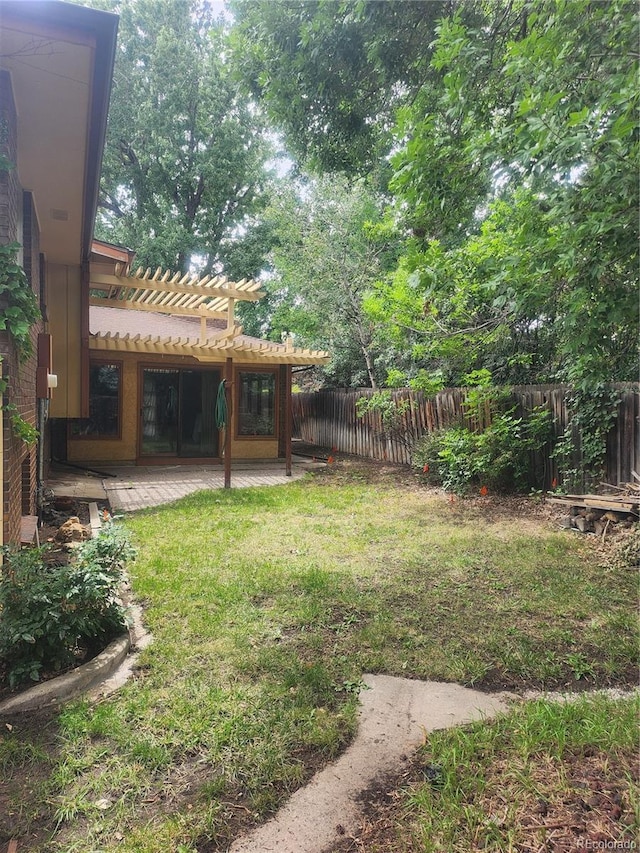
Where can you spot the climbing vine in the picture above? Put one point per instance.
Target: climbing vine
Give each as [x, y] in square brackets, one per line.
[582, 450]
[20, 311]
[19, 304]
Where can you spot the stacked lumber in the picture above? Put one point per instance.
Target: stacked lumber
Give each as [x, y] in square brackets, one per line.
[594, 513]
[615, 503]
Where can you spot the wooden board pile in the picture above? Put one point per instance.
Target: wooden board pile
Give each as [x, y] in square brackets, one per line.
[596, 513]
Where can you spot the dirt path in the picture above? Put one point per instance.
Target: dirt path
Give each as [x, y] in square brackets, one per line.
[395, 715]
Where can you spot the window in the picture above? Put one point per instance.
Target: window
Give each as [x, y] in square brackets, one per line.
[257, 408]
[105, 381]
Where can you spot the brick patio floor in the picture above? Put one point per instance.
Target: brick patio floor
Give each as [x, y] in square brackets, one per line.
[130, 488]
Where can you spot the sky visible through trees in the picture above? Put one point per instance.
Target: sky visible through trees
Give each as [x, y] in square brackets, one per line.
[462, 188]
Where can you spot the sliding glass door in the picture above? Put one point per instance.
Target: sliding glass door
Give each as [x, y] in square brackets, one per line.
[198, 435]
[178, 413]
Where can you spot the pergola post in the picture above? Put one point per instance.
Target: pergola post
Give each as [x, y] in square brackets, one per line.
[288, 418]
[227, 432]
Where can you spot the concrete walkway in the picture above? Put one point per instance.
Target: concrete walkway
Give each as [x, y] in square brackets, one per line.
[396, 715]
[130, 488]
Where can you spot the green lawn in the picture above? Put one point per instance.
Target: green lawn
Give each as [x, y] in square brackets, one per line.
[546, 776]
[266, 607]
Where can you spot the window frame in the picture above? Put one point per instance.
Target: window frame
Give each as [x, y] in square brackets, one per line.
[96, 362]
[273, 372]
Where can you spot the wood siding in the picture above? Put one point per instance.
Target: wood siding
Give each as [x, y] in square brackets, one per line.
[328, 419]
[65, 323]
[125, 447]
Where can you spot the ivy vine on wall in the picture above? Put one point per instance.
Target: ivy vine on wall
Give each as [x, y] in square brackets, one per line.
[20, 311]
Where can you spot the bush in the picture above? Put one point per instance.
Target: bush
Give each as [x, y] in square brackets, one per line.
[48, 611]
[498, 457]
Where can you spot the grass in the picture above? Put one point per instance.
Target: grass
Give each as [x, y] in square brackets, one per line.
[547, 776]
[266, 607]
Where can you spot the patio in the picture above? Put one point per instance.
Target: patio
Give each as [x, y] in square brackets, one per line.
[130, 488]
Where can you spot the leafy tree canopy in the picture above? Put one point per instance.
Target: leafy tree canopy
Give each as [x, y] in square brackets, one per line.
[332, 73]
[514, 169]
[331, 246]
[517, 174]
[183, 173]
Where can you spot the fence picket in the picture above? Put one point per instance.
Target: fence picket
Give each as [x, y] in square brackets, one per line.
[328, 419]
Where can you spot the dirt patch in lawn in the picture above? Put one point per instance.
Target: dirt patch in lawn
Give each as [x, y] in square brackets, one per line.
[24, 775]
[581, 801]
[493, 509]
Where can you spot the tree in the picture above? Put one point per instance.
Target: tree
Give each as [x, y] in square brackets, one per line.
[518, 175]
[515, 162]
[331, 248]
[332, 74]
[488, 303]
[183, 172]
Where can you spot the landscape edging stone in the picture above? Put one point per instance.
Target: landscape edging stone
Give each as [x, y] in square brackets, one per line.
[71, 684]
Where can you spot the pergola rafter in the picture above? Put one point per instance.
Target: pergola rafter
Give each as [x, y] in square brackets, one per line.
[177, 294]
[187, 295]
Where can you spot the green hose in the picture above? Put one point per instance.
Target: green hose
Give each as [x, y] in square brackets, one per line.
[221, 406]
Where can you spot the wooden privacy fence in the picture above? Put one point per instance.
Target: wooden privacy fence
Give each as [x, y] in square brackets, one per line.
[328, 419]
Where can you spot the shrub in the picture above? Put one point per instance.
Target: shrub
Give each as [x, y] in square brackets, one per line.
[498, 457]
[48, 611]
[389, 412]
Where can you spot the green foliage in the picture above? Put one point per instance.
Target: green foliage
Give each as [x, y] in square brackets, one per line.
[581, 451]
[331, 74]
[498, 457]
[515, 162]
[517, 171]
[21, 428]
[183, 172]
[332, 246]
[388, 415]
[47, 610]
[20, 308]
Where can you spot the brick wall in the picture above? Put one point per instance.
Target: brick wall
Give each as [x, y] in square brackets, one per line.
[19, 461]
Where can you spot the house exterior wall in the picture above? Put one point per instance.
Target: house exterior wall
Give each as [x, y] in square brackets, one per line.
[92, 451]
[63, 296]
[17, 221]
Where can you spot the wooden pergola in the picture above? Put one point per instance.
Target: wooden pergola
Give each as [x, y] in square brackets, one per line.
[184, 295]
[209, 298]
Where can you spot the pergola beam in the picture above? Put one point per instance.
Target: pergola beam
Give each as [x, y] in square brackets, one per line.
[202, 311]
[216, 288]
[213, 350]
